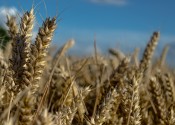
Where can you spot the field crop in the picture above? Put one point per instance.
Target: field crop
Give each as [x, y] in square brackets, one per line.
[39, 89]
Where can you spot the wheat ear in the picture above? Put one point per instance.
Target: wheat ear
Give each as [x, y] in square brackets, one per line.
[135, 116]
[170, 97]
[40, 49]
[12, 25]
[148, 53]
[20, 61]
[26, 109]
[159, 100]
[46, 118]
[26, 27]
[111, 101]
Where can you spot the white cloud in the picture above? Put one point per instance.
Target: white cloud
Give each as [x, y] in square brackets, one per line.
[8, 11]
[4, 11]
[12, 11]
[111, 2]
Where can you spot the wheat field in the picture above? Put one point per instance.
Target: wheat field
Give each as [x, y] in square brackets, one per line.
[39, 89]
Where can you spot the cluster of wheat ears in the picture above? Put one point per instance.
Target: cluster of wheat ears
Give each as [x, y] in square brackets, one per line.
[39, 89]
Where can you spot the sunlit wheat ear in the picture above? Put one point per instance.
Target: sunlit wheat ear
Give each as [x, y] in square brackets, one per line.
[25, 110]
[110, 102]
[163, 55]
[46, 118]
[2, 91]
[47, 85]
[12, 25]
[10, 89]
[20, 60]
[8, 51]
[6, 80]
[169, 90]
[159, 100]
[119, 72]
[13, 67]
[3, 63]
[78, 98]
[13, 31]
[135, 56]
[9, 122]
[171, 119]
[40, 49]
[123, 65]
[26, 27]
[118, 54]
[135, 116]
[148, 53]
[67, 115]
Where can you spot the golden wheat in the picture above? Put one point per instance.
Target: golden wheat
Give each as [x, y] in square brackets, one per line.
[70, 90]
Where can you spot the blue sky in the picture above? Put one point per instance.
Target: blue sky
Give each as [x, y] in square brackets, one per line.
[123, 24]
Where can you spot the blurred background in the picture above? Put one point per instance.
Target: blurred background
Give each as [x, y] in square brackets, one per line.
[120, 24]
